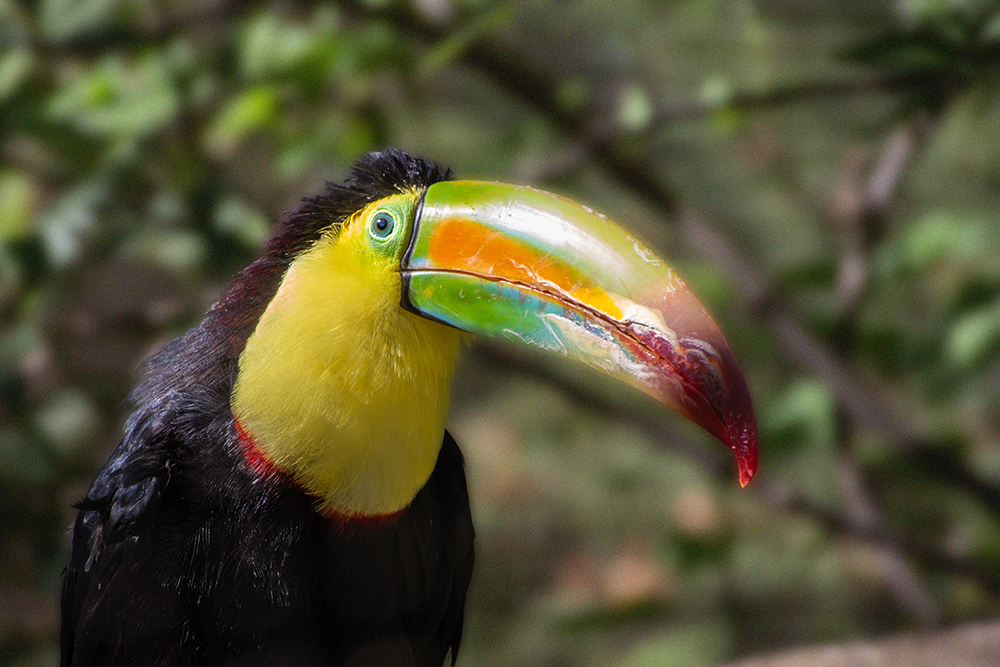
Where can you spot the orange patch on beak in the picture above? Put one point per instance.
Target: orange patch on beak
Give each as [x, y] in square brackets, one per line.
[483, 252]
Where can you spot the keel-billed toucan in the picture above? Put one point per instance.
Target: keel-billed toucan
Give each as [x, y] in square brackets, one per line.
[286, 492]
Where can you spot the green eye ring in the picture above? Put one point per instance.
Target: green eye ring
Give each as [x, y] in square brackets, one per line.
[382, 225]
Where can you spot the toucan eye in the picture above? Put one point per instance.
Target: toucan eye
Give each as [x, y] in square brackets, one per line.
[382, 225]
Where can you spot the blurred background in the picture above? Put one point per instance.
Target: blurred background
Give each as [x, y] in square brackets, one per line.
[826, 175]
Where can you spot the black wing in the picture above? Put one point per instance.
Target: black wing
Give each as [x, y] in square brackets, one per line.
[112, 516]
[436, 556]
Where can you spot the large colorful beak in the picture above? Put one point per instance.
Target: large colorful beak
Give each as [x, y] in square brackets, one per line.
[524, 265]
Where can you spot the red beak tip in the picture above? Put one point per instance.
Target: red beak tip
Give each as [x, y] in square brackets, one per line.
[747, 463]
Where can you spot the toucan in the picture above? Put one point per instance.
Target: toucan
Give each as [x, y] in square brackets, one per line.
[286, 493]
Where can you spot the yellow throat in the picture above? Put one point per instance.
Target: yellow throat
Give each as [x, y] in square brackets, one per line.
[340, 386]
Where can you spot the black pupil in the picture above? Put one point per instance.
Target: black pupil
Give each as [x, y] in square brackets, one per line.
[382, 223]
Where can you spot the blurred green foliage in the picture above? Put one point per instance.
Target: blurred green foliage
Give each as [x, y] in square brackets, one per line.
[845, 153]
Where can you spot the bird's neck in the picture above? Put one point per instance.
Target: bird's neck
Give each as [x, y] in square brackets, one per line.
[342, 388]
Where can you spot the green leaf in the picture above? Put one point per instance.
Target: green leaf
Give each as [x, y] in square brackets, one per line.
[15, 66]
[271, 47]
[65, 19]
[974, 338]
[806, 404]
[18, 198]
[249, 225]
[120, 98]
[251, 111]
[938, 236]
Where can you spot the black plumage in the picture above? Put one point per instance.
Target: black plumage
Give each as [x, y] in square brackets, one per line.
[185, 553]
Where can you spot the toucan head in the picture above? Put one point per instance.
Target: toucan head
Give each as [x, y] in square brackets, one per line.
[506, 262]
